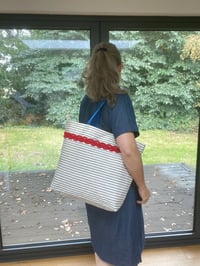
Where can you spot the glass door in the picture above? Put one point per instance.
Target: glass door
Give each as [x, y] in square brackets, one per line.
[40, 88]
[161, 70]
[42, 59]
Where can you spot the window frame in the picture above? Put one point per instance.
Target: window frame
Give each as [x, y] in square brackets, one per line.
[99, 27]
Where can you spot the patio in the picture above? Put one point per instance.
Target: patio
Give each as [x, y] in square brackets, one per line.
[31, 213]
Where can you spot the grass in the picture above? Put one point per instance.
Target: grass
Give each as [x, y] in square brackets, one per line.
[29, 148]
[38, 148]
[169, 147]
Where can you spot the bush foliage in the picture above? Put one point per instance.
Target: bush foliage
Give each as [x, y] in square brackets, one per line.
[159, 72]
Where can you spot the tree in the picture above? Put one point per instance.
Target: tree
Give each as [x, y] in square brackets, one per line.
[191, 47]
[191, 50]
[162, 86]
[52, 76]
[39, 70]
[10, 46]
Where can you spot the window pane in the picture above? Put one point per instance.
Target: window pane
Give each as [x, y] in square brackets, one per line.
[41, 85]
[161, 71]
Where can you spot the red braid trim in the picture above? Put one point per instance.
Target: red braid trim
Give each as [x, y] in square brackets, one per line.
[92, 142]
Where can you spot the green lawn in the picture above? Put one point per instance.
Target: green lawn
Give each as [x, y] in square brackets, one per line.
[38, 148]
[29, 148]
[169, 147]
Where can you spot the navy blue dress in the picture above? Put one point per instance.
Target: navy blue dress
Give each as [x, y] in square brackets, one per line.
[117, 237]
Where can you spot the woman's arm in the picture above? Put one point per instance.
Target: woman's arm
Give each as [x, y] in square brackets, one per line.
[133, 162]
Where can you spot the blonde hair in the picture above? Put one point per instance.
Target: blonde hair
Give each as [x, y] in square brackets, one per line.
[102, 75]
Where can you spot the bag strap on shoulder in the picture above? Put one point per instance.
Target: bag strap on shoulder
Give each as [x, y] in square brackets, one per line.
[96, 113]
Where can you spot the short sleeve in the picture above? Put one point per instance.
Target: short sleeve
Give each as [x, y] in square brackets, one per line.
[123, 118]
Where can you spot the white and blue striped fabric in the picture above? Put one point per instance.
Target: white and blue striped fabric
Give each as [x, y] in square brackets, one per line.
[95, 175]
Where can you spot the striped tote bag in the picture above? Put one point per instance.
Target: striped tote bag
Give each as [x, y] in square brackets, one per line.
[90, 167]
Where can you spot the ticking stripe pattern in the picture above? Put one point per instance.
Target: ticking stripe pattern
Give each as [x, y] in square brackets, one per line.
[89, 172]
[92, 142]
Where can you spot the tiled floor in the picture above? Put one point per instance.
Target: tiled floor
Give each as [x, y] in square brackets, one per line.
[178, 256]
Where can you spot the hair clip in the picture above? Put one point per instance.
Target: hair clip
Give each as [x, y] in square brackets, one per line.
[102, 49]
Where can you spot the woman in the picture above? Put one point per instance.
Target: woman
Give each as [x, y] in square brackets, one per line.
[117, 237]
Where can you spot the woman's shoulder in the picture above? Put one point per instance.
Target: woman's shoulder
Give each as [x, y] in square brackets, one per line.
[86, 102]
[123, 98]
[85, 99]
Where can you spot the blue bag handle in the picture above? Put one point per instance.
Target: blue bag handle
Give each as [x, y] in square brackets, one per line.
[96, 114]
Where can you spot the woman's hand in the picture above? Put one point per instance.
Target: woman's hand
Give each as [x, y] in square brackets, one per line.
[144, 194]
